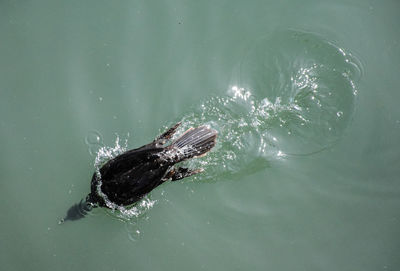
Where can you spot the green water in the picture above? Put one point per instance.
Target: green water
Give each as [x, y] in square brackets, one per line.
[304, 95]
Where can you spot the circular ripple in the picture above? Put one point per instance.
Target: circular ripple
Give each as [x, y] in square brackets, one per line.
[94, 141]
[304, 88]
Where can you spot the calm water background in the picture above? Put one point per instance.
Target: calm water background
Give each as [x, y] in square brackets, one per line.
[277, 195]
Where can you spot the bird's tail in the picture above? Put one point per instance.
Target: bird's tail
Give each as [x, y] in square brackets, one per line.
[194, 142]
[78, 210]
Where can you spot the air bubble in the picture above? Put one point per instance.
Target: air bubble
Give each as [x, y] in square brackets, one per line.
[94, 141]
[94, 138]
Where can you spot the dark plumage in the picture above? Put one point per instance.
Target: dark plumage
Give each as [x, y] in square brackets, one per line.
[128, 177]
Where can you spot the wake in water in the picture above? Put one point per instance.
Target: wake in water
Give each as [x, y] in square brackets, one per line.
[292, 94]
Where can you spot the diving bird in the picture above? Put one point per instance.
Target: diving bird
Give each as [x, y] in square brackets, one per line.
[128, 177]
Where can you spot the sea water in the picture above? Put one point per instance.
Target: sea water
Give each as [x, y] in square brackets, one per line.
[303, 95]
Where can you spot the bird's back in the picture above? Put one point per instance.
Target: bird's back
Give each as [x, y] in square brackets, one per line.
[129, 176]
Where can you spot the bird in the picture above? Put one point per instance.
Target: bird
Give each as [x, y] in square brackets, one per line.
[128, 177]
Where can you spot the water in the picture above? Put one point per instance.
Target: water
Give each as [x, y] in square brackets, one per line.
[303, 95]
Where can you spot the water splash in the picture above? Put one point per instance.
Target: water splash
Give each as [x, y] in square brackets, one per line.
[104, 154]
[310, 76]
[293, 94]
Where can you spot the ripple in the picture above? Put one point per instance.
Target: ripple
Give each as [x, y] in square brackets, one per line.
[304, 87]
[295, 96]
[94, 141]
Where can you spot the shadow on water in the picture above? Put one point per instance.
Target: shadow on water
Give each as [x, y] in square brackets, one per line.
[293, 94]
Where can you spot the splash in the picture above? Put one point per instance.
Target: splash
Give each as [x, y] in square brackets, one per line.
[310, 80]
[293, 94]
[104, 154]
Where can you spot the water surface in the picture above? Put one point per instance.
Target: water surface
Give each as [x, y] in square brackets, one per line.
[303, 95]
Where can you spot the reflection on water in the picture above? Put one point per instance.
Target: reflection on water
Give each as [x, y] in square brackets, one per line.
[294, 95]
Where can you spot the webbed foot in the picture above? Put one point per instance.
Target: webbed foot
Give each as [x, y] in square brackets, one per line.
[162, 139]
[179, 173]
